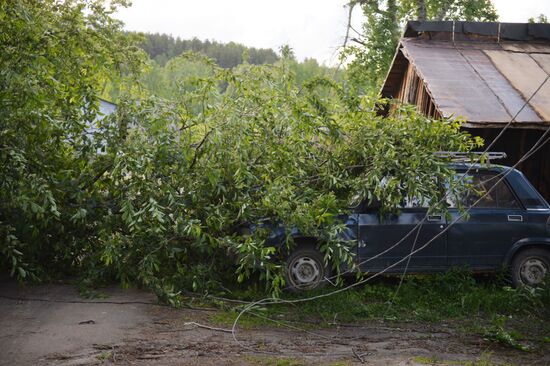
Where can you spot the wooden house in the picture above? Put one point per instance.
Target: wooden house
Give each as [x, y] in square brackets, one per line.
[494, 76]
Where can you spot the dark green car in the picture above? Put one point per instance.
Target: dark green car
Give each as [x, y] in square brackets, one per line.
[509, 226]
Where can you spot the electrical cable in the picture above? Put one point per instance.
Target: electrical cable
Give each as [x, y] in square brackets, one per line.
[501, 133]
[535, 148]
[421, 222]
[494, 140]
[272, 300]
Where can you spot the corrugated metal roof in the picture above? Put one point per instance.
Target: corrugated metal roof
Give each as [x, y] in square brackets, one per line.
[526, 72]
[486, 83]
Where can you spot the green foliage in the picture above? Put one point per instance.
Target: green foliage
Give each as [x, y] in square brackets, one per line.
[540, 19]
[55, 57]
[154, 194]
[105, 356]
[192, 170]
[373, 49]
[497, 333]
[310, 69]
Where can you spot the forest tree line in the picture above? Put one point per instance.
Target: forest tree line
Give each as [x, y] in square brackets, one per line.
[163, 47]
[167, 73]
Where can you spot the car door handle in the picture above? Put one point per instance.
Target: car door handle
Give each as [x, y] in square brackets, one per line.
[435, 217]
[515, 218]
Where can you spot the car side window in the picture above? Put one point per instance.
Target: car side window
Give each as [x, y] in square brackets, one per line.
[486, 188]
[415, 202]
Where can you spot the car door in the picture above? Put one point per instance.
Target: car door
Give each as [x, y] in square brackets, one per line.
[378, 236]
[481, 239]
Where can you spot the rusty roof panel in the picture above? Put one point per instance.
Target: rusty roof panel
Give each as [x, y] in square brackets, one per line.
[525, 47]
[508, 97]
[484, 72]
[526, 73]
[458, 91]
[478, 81]
[543, 102]
[543, 61]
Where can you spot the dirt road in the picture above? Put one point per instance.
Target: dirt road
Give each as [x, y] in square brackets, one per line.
[54, 326]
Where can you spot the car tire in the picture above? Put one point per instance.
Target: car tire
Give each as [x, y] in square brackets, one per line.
[530, 267]
[305, 269]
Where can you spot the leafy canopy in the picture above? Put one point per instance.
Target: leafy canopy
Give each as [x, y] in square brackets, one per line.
[56, 56]
[155, 193]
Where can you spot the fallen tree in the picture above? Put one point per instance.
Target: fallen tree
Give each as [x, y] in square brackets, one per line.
[154, 193]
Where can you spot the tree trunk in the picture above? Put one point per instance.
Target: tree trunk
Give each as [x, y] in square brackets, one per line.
[392, 17]
[421, 10]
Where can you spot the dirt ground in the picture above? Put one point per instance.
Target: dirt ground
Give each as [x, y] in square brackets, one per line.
[52, 325]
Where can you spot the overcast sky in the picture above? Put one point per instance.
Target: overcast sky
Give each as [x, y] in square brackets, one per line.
[313, 28]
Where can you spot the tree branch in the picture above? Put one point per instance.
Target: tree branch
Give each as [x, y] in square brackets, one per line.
[197, 149]
[350, 5]
[356, 40]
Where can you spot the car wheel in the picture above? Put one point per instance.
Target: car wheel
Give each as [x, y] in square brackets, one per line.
[305, 270]
[530, 267]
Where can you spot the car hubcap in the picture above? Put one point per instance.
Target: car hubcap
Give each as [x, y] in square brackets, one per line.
[305, 271]
[533, 271]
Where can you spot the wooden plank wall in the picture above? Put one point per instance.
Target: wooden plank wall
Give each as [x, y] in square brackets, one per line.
[413, 90]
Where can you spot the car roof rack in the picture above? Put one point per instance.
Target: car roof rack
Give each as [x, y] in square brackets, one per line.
[457, 156]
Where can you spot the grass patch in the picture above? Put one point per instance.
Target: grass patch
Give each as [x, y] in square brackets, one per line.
[482, 305]
[246, 321]
[452, 295]
[497, 332]
[105, 356]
